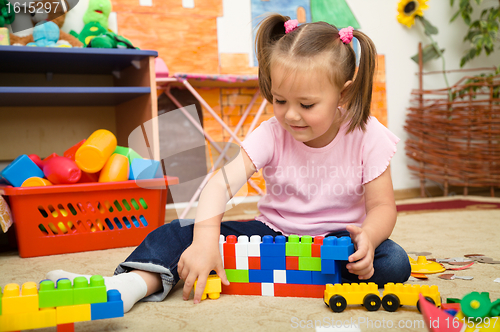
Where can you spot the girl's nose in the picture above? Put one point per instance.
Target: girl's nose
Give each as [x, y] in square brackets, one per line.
[291, 115]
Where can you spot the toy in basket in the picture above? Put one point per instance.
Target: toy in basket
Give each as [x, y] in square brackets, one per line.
[63, 215]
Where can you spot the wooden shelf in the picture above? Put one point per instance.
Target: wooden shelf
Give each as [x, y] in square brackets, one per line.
[69, 96]
[52, 98]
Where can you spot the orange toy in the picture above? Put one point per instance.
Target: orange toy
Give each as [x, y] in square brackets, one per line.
[95, 216]
[115, 170]
[96, 150]
[36, 182]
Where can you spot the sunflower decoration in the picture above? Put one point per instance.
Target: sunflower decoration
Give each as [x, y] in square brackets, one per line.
[408, 9]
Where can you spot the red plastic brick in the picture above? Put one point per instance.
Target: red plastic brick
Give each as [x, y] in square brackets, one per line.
[238, 288]
[254, 263]
[292, 263]
[316, 246]
[296, 290]
[230, 262]
[69, 327]
[229, 249]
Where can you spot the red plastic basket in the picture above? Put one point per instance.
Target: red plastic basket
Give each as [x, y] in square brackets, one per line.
[63, 219]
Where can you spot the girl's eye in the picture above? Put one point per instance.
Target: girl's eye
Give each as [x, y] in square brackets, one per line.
[281, 102]
[306, 106]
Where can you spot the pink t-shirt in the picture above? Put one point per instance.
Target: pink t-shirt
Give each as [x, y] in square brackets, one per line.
[315, 191]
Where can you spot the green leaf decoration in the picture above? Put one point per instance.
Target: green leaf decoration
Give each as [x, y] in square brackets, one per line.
[428, 53]
[428, 27]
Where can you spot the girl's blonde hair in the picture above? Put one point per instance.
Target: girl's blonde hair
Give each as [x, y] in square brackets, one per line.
[318, 45]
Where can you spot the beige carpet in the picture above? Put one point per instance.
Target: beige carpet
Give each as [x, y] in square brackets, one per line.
[450, 233]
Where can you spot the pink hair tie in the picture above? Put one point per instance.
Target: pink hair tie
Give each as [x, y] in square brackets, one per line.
[346, 34]
[291, 25]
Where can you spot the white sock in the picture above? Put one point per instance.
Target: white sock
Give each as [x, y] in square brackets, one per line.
[130, 285]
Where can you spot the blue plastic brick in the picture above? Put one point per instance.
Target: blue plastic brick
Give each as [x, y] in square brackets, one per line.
[21, 169]
[319, 278]
[142, 169]
[268, 248]
[337, 248]
[328, 266]
[273, 263]
[260, 276]
[110, 309]
[298, 277]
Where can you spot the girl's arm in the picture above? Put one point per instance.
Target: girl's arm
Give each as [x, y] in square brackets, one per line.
[203, 255]
[377, 226]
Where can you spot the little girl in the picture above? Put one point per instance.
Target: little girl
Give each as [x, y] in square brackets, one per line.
[326, 170]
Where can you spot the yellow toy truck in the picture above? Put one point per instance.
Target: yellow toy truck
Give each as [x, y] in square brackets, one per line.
[396, 295]
[338, 296]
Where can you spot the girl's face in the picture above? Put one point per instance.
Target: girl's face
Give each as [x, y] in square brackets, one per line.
[306, 105]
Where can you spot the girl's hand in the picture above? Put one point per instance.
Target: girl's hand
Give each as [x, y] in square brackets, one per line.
[364, 254]
[196, 262]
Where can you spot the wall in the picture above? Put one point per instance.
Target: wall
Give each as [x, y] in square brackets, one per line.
[398, 44]
[230, 20]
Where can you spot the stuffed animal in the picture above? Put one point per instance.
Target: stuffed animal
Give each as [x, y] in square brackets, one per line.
[46, 34]
[110, 40]
[58, 17]
[7, 14]
[95, 33]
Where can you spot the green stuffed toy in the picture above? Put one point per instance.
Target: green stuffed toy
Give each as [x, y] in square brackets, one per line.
[95, 33]
[7, 14]
[98, 11]
[110, 40]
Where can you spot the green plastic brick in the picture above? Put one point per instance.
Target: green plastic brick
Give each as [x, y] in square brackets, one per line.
[237, 275]
[85, 293]
[1, 295]
[452, 300]
[49, 296]
[305, 246]
[127, 152]
[309, 263]
[292, 246]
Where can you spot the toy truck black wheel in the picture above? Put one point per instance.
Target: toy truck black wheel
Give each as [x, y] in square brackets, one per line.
[338, 303]
[372, 302]
[390, 302]
[428, 299]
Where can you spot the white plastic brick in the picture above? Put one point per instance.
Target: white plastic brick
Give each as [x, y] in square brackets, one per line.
[279, 276]
[254, 246]
[241, 247]
[221, 244]
[267, 289]
[241, 263]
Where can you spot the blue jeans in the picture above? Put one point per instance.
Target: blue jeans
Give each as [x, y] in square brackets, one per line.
[162, 248]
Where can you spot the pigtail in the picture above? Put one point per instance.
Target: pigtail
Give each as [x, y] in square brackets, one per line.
[359, 93]
[271, 29]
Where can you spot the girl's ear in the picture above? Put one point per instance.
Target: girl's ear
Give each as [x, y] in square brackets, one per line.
[344, 89]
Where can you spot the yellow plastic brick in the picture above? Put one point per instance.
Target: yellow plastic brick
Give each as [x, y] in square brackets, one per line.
[212, 288]
[73, 313]
[16, 302]
[28, 320]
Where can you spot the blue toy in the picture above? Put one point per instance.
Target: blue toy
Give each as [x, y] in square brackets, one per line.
[21, 169]
[45, 34]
